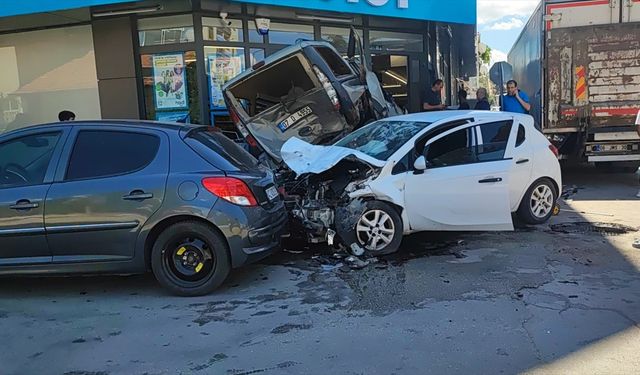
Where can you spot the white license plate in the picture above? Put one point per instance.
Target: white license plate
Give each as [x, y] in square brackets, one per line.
[272, 193]
[289, 121]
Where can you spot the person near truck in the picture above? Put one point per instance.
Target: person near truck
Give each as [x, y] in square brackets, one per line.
[515, 100]
[483, 102]
[433, 97]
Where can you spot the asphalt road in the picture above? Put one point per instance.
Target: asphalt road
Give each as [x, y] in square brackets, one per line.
[554, 299]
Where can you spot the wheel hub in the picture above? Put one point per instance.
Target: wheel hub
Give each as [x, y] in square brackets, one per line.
[190, 260]
[375, 230]
[542, 201]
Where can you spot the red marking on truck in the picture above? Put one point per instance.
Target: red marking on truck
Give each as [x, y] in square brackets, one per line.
[550, 8]
[627, 111]
[569, 112]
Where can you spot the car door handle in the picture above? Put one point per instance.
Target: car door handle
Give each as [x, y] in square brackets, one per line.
[490, 180]
[24, 205]
[522, 161]
[137, 195]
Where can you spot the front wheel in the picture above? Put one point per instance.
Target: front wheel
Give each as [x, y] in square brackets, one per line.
[538, 203]
[379, 229]
[190, 259]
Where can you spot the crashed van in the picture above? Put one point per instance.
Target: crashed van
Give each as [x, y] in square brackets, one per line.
[308, 91]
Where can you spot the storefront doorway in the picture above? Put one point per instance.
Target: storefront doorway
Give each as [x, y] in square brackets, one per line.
[393, 73]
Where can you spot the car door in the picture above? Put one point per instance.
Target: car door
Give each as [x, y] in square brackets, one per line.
[27, 166]
[521, 153]
[466, 184]
[110, 181]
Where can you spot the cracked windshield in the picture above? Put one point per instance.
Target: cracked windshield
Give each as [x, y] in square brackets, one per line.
[382, 139]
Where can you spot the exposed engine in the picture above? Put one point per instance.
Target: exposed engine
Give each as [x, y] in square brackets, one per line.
[318, 204]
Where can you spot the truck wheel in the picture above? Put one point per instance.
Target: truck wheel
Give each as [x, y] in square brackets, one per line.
[379, 229]
[190, 259]
[538, 202]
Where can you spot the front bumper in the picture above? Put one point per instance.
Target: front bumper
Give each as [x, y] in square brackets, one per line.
[252, 233]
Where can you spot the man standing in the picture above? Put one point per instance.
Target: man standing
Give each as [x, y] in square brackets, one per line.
[433, 97]
[483, 102]
[515, 100]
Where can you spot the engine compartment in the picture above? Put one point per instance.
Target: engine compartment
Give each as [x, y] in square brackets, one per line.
[321, 207]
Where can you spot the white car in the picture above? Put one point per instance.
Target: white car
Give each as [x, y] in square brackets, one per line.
[434, 171]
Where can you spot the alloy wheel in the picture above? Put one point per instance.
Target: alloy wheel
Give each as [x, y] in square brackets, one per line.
[541, 201]
[375, 230]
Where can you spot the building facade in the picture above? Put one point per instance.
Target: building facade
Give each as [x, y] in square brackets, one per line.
[168, 59]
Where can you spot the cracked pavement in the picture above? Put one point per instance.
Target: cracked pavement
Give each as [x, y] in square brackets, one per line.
[530, 301]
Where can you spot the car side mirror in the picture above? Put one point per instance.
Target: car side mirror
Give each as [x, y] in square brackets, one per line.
[420, 165]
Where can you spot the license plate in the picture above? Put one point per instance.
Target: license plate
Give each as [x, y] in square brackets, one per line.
[289, 121]
[272, 193]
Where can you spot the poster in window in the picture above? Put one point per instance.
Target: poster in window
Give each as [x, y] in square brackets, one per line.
[169, 79]
[224, 64]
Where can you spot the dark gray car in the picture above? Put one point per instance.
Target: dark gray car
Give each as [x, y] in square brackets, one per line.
[127, 197]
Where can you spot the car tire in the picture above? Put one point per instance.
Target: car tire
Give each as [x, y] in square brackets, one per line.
[386, 230]
[538, 203]
[190, 259]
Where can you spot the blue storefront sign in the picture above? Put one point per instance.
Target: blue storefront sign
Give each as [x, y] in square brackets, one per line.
[18, 7]
[459, 11]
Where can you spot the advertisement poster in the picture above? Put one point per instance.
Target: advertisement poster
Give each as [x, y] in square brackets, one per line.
[182, 117]
[224, 64]
[169, 79]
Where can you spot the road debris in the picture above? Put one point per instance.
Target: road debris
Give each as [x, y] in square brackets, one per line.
[636, 243]
[585, 212]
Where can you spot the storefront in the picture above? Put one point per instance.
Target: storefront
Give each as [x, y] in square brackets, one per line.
[168, 59]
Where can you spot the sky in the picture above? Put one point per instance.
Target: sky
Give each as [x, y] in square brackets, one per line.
[500, 23]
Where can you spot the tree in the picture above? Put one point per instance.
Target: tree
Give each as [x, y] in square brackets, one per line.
[486, 56]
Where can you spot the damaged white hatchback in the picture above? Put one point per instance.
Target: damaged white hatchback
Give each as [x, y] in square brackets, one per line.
[434, 171]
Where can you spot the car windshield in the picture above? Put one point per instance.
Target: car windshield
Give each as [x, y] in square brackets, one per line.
[382, 139]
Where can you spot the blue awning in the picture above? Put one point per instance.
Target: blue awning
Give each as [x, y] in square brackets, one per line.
[458, 11]
[20, 7]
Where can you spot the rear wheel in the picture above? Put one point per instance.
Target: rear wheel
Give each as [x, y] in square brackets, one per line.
[538, 202]
[190, 259]
[379, 229]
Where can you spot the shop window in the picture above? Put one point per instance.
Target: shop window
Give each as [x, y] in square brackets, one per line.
[165, 30]
[256, 55]
[286, 33]
[394, 41]
[223, 63]
[338, 36]
[93, 155]
[45, 72]
[171, 87]
[254, 35]
[220, 30]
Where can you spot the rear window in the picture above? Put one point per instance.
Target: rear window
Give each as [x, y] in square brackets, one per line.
[226, 155]
[282, 82]
[336, 63]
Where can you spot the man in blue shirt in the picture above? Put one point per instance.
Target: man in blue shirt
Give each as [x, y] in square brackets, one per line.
[515, 100]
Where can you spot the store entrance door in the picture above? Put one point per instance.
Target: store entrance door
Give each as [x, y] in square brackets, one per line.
[400, 78]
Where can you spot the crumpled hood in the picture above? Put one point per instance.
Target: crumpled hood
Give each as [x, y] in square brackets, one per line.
[302, 157]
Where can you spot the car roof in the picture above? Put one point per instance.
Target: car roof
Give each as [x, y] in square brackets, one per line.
[445, 116]
[170, 126]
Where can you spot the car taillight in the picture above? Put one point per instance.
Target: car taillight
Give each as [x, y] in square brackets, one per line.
[554, 149]
[328, 87]
[230, 189]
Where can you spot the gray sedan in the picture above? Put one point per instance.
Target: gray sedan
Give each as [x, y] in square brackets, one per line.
[127, 197]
